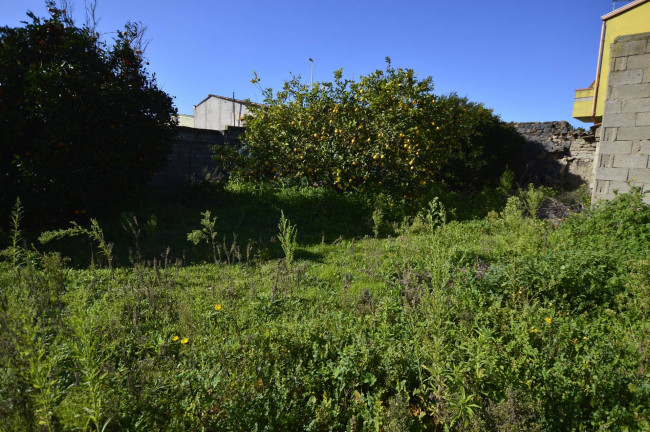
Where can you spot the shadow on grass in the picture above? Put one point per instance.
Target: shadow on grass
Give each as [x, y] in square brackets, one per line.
[307, 255]
[247, 222]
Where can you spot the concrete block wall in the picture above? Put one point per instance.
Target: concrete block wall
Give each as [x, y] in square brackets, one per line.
[623, 153]
[191, 155]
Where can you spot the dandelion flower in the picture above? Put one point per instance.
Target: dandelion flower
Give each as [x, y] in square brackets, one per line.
[184, 341]
[533, 329]
[217, 306]
[548, 320]
[174, 338]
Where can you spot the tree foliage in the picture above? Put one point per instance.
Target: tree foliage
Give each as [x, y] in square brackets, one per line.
[387, 131]
[82, 123]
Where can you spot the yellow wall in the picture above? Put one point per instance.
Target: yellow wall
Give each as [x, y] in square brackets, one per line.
[583, 104]
[636, 20]
[185, 120]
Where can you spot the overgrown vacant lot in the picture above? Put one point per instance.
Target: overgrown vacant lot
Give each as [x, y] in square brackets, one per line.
[505, 323]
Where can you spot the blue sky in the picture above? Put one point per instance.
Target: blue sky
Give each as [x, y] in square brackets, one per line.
[523, 59]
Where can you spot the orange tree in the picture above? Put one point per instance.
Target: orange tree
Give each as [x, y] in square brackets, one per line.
[385, 132]
[82, 123]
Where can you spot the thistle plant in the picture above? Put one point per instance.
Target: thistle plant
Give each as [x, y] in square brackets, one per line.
[287, 239]
[207, 233]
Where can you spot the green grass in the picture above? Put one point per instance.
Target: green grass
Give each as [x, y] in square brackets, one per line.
[496, 323]
[248, 216]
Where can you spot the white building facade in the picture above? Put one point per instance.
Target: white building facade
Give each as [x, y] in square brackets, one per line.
[218, 112]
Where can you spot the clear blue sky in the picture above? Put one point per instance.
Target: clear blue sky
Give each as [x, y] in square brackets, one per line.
[524, 58]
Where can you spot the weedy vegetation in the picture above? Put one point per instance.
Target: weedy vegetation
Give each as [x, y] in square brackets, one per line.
[406, 286]
[357, 320]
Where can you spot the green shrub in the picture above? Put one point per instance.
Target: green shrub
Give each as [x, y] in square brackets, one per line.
[82, 123]
[622, 223]
[386, 132]
[533, 199]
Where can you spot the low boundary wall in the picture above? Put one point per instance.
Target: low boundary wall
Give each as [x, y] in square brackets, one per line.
[191, 154]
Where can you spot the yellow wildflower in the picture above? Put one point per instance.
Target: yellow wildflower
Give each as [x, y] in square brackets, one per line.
[184, 341]
[548, 320]
[217, 306]
[533, 329]
[175, 338]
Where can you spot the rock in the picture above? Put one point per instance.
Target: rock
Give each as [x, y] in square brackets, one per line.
[556, 154]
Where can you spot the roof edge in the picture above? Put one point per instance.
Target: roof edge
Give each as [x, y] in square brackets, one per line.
[622, 9]
[229, 99]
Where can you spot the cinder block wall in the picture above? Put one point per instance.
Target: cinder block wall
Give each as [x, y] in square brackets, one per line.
[622, 156]
[191, 154]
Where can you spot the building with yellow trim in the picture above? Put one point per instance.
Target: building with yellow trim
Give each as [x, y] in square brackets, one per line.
[589, 104]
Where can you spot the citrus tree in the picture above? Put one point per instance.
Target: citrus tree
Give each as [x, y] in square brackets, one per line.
[82, 123]
[387, 131]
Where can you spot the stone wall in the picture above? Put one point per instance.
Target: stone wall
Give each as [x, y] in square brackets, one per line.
[191, 154]
[623, 152]
[555, 154]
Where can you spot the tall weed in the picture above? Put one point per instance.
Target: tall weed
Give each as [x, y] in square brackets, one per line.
[94, 233]
[207, 233]
[287, 236]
